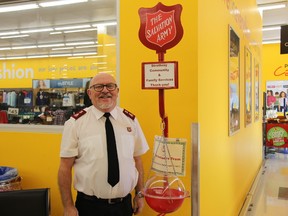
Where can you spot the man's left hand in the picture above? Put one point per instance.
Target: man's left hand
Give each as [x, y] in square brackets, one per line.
[138, 204]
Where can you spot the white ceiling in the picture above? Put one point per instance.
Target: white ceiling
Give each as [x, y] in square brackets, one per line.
[93, 11]
[276, 17]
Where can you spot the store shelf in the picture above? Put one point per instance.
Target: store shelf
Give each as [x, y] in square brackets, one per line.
[31, 128]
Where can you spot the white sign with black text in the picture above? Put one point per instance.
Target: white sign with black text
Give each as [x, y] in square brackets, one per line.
[169, 155]
[160, 75]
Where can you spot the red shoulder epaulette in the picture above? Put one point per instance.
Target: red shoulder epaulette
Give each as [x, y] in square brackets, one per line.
[79, 114]
[129, 114]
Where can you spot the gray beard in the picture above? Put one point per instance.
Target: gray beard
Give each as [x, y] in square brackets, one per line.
[106, 106]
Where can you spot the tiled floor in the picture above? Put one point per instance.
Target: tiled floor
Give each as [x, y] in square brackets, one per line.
[271, 195]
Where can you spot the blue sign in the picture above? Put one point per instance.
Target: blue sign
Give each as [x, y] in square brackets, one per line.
[66, 83]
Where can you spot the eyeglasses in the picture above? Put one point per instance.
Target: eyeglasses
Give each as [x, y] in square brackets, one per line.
[100, 87]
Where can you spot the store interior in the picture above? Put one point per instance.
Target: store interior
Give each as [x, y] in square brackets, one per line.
[44, 30]
[66, 45]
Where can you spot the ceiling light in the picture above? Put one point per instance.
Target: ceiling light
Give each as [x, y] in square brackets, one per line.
[18, 7]
[54, 33]
[88, 53]
[9, 33]
[271, 28]
[105, 24]
[91, 46]
[50, 45]
[5, 48]
[72, 27]
[37, 30]
[271, 42]
[60, 55]
[16, 57]
[60, 2]
[263, 7]
[81, 30]
[24, 47]
[15, 36]
[63, 48]
[80, 43]
[38, 56]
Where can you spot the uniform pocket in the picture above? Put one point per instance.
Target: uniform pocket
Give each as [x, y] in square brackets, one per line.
[91, 148]
[128, 146]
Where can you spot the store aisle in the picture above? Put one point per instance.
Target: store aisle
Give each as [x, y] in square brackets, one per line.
[271, 196]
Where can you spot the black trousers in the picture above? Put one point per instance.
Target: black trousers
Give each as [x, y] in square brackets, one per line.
[90, 207]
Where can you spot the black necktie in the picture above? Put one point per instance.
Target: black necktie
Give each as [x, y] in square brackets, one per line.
[113, 166]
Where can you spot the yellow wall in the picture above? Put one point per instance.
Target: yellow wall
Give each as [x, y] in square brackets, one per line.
[228, 164]
[180, 104]
[36, 156]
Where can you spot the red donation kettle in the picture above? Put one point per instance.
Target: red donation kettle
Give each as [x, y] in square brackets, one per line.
[164, 193]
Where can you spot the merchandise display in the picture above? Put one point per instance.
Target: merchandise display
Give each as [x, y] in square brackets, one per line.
[9, 179]
[275, 130]
[48, 106]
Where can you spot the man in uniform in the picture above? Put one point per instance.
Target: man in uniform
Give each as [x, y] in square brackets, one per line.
[84, 148]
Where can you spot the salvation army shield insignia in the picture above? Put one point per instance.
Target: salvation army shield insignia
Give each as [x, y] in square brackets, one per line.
[163, 33]
[161, 27]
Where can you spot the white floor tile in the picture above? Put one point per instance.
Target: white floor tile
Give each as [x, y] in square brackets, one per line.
[265, 200]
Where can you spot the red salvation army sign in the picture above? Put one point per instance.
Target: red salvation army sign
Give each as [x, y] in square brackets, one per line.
[160, 27]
